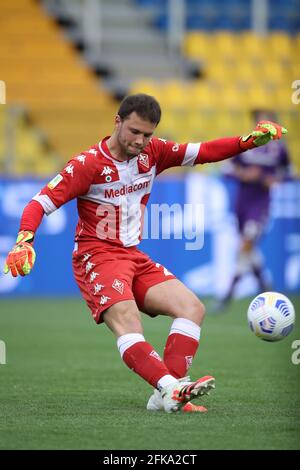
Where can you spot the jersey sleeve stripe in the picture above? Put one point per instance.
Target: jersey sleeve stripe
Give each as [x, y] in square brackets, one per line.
[45, 202]
[191, 153]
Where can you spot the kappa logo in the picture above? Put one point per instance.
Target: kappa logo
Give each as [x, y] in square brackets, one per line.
[69, 169]
[81, 158]
[98, 288]
[89, 266]
[104, 299]
[93, 276]
[118, 285]
[144, 160]
[107, 171]
[86, 257]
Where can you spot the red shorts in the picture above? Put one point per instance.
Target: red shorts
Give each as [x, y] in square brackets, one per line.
[106, 277]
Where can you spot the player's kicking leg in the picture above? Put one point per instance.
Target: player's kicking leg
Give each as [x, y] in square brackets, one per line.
[174, 299]
[118, 309]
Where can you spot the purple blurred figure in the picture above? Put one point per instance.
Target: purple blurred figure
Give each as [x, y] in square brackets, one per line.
[255, 171]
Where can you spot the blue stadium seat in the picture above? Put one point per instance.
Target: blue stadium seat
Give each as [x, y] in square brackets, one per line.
[232, 15]
[280, 22]
[151, 3]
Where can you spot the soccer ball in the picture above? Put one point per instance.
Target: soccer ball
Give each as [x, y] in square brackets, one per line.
[271, 316]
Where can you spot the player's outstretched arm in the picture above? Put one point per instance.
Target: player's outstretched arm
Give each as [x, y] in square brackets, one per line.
[227, 147]
[264, 132]
[21, 258]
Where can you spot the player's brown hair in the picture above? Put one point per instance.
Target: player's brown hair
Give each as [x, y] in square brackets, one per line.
[144, 105]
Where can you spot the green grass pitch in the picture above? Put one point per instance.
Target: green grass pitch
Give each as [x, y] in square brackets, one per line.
[64, 386]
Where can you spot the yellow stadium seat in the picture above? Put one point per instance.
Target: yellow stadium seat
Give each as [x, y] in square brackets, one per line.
[174, 94]
[283, 98]
[246, 70]
[226, 47]
[279, 45]
[232, 97]
[151, 87]
[219, 70]
[198, 46]
[202, 96]
[273, 72]
[43, 73]
[295, 72]
[253, 48]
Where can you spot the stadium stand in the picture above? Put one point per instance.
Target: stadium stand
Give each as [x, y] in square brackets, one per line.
[232, 15]
[237, 71]
[240, 70]
[24, 149]
[44, 74]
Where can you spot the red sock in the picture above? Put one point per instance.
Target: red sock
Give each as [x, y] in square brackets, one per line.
[145, 361]
[179, 353]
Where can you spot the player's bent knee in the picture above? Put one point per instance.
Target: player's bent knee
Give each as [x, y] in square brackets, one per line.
[196, 311]
[123, 318]
[200, 312]
[193, 310]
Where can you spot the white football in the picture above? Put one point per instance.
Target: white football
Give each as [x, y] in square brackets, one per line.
[271, 316]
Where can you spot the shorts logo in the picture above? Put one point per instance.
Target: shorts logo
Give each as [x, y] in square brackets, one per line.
[166, 271]
[97, 288]
[93, 276]
[104, 299]
[144, 160]
[89, 266]
[118, 285]
[156, 355]
[54, 182]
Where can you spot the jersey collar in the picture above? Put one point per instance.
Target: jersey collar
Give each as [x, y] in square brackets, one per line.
[105, 151]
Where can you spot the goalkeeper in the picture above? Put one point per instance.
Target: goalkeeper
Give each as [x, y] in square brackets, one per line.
[112, 182]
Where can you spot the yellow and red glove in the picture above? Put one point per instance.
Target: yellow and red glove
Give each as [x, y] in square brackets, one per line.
[21, 258]
[264, 132]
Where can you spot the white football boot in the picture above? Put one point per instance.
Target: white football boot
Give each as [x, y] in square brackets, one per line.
[157, 403]
[176, 396]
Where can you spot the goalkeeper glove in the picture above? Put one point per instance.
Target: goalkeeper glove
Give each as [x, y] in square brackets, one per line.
[21, 258]
[264, 132]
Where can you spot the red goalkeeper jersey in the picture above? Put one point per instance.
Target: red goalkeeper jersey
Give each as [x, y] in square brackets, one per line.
[112, 194]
